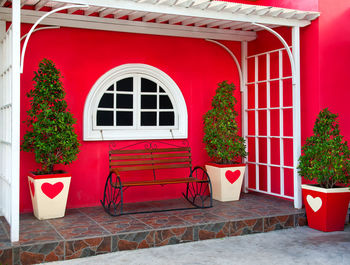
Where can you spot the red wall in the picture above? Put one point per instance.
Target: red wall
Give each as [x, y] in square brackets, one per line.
[84, 55]
[334, 54]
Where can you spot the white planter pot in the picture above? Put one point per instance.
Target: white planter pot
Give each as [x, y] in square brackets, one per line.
[49, 194]
[226, 181]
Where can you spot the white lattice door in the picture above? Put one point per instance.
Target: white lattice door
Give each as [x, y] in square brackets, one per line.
[9, 120]
[272, 127]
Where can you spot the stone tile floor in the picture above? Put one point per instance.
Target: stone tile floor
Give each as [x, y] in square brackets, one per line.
[91, 231]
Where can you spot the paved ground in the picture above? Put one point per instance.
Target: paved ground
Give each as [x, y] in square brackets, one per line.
[292, 246]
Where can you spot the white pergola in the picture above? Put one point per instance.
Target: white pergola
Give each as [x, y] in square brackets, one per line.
[210, 20]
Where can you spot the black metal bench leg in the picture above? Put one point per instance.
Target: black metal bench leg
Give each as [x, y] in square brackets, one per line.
[113, 196]
[199, 193]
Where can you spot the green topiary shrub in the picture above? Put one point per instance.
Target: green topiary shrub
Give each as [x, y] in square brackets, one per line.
[50, 134]
[223, 144]
[326, 156]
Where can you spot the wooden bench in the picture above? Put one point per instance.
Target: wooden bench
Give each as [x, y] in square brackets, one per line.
[153, 158]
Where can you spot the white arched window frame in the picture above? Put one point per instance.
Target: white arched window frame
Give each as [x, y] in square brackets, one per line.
[135, 132]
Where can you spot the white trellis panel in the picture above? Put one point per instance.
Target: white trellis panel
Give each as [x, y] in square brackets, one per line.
[9, 121]
[261, 84]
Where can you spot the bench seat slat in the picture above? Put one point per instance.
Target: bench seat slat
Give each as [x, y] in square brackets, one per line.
[142, 167]
[156, 161]
[155, 150]
[160, 182]
[142, 156]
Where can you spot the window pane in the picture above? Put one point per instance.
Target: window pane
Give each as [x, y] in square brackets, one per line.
[124, 118]
[148, 102]
[148, 85]
[164, 102]
[125, 84]
[161, 90]
[124, 101]
[166, 118]
[104, 118]
[106, 101]
[148, 118]
[111, 88]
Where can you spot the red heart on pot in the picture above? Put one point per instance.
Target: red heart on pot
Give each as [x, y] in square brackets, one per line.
[32, 188]
[52, 190]
[232, 176]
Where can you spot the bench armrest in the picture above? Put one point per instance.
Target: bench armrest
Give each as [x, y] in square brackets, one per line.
[115, 171]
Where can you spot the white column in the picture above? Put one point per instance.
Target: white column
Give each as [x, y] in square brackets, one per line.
[244, 100]
[268, 119]
[296, 116]
[256, 112]
[280, 75]
[15, 132]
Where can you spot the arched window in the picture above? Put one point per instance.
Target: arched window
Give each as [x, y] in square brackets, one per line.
[135, 101]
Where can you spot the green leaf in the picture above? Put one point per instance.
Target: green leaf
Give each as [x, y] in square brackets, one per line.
[50, 133]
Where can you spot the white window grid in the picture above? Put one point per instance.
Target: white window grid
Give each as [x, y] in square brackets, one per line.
[136, 92]
[280, 79]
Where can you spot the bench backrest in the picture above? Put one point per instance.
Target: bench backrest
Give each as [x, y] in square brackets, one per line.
[152, 158]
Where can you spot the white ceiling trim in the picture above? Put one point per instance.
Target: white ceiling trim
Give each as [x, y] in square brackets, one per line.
[118, 25]
[209, 9]
[202, 17]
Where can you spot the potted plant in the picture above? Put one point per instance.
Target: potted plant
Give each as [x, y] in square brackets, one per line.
[326, 160]
[50, 136]
[224, 145]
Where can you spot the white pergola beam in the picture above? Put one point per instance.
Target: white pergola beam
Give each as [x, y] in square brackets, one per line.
[217, 23]
[164, 18]
[190, 21]
[240, 25]
[136, 15]
[204, 22]
[201, 4]
[41, 4]
[275, 11]
[91, 22]
[72, 10]
[261, 10]
[230, 24]
[246, 10]
[121, 13]
[184, 3]
[106, 12]
[216, 6]
[150, 16]
[176, 20]
[193, 12]
[23, 2]
[232, 7]
[166, 2]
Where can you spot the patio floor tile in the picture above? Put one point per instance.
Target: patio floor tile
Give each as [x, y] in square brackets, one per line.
[124, 225]
[83, 231]
[162, 221]
[91, 231]
[131, 241]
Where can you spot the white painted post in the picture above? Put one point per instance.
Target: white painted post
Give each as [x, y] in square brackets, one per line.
[2, 119]
[15, 130]
[280, 75]
[296, 116]
[268, 119]
[244, 59]
[256, 89]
